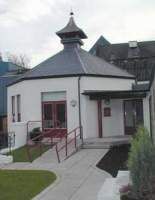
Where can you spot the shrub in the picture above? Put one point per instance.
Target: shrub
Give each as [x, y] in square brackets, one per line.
[141, 164]
[35, 132]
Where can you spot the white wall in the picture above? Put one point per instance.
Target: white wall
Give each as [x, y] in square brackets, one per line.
[20, 130]
[113, 125]
[90, 110]
[31, 90]
[93, 83]
[89, 115]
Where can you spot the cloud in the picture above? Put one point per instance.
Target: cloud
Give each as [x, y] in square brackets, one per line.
[29, 26]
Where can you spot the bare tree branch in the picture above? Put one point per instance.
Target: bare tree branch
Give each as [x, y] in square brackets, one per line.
[21, 60]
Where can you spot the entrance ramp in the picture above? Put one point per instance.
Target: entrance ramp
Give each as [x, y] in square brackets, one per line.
[65, 144]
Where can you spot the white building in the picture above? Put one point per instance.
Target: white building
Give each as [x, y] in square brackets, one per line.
[74, 88]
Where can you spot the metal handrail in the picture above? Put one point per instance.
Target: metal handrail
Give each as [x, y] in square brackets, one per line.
[65, 146]
[44, 134]
[53, 134]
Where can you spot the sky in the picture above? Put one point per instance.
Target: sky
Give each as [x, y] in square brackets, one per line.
[28, 26]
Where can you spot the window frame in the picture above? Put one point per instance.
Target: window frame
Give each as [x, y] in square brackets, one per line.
[13, 112]
[18, 108]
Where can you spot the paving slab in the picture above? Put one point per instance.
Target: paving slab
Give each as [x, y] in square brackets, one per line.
[78, 176]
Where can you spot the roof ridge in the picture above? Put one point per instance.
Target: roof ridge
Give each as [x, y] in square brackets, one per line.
[121, 43]
[80, 60]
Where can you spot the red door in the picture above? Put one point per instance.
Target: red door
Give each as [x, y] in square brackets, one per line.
[54, 115]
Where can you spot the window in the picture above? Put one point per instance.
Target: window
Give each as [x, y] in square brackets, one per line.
[107, 112]
[13, 108]
[53, 96]
[54, 114]
[18, 108]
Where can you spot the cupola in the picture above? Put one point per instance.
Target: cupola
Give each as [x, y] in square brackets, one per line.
[71, 33]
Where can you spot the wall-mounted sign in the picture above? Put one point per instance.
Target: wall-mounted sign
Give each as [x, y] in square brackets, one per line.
[107, 112]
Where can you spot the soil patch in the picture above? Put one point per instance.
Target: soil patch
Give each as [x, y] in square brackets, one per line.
[115, 159]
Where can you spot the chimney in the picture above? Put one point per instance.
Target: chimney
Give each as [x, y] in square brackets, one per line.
[133, 44]
[133, 50]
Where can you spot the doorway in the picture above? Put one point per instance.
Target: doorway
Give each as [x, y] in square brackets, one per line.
[54, 115]
[133, 115]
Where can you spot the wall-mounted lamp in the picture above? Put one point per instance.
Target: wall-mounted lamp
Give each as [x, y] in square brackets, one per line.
[107, 102]
[73, 103]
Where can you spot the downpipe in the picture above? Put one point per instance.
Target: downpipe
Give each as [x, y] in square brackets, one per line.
[79, 99]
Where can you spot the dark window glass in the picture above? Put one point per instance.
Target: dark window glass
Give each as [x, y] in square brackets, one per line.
[48, 116]
[139, 112]
[13, 108]
[61, 115]
[18, 108]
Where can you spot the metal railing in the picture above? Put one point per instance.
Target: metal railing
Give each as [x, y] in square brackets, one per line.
[51, 135]
[7, 140]
[69, 138]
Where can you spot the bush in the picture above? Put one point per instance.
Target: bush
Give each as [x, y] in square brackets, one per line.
[34, 133]
[141, 164]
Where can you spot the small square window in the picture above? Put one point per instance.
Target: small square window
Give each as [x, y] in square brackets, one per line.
[107, 112]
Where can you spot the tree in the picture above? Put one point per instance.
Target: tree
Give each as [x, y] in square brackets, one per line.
[20, 60]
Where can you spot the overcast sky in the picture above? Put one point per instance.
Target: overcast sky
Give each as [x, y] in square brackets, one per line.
[29, 26]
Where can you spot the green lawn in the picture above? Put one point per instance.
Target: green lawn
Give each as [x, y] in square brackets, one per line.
[20, 155]
[23, 184]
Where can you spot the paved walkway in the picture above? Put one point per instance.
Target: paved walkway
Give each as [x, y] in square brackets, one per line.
[78, 178]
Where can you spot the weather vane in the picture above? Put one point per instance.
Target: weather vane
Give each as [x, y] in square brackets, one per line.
[71, 12]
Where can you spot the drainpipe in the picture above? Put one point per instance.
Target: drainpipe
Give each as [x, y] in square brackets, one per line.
[79, 99]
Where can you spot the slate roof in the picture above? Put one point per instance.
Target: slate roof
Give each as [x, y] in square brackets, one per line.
[102, 42]
[120, 51]
[74, 62]
[138, 61]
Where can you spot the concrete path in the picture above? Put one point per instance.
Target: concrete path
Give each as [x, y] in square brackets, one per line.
[78, 177]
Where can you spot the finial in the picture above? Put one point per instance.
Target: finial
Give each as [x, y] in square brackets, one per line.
[71, 12]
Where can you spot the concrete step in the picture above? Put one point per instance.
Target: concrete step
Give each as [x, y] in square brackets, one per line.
[96, 145]
[103, 143]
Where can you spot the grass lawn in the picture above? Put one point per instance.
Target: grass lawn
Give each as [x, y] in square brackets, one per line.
[23, 184]
[20, 155]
